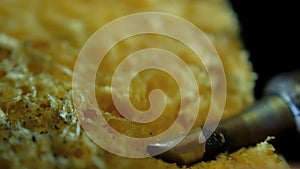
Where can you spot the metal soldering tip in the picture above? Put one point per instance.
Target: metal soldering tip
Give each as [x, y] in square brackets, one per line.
[169, 156]
[189, 150]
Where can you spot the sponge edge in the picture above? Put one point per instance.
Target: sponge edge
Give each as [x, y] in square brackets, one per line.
[260, 156]
[257, 157]
[39, 44]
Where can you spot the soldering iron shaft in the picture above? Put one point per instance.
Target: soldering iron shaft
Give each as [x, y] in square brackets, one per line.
[273, 115]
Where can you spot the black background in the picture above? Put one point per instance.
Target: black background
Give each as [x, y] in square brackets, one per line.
[271, 35]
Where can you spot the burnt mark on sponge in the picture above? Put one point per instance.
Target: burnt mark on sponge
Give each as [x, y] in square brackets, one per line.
[43, 132]
[33, 139]
[2, 73]
[25, 90]
[45, 105]
[4, 53]
[20, 140]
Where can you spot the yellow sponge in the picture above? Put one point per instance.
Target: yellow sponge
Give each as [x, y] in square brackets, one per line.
[39, 44]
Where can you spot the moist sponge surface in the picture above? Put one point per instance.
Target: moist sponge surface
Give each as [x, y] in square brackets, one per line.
[39, 44]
